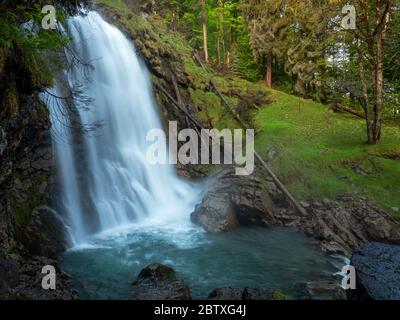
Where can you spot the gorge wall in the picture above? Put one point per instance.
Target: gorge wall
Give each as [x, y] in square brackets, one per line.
[32, 234]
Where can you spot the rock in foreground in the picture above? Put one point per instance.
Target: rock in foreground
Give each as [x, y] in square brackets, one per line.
[159, 282]
[378, 272]
[326, 290]
[232, 200]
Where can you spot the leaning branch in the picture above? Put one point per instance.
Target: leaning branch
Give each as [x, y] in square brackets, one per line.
[176, 103]
[274, 177]
[348, 110]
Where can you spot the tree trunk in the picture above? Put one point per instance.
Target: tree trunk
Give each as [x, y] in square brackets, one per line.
[268, 71]
[365, 102]
[205, 41]
[383, 14]
[174, 21]
[219, 52]
[375, 42]
[379, 92]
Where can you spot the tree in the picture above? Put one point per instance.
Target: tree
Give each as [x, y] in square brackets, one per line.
[204, 18]
[295, 32]
[267, 26]
[373, 24]
[374, 19]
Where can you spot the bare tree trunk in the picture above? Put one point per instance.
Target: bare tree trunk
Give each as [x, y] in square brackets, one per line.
[219, 51]
[384, 9]
[364, 101]
[268, 71]
[205, 41]
[224, 50]
[174, 21]
[379, 90]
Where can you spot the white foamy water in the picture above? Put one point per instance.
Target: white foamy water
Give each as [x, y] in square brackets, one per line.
[121, 186]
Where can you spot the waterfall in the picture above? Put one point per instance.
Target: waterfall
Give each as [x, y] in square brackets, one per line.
[107, 183]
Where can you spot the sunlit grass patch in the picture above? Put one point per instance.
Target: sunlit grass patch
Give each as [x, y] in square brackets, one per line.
[323, 154]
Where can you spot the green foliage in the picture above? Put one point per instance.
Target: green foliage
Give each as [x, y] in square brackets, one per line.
[228, 40]
[244, 64]
[298, 41]
[21, 24]
[24, 49]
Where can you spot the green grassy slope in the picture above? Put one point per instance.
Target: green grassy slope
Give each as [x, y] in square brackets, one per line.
[323, 154]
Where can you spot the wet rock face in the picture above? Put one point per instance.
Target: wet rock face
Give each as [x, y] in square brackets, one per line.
[378, 272]
[345, 224]
[159, 282]
[216, 212]
[27, 162]
[45, 233]
[232, 200]
[3, 141]
[31, 235]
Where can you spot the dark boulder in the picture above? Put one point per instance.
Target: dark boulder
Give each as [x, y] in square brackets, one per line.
[159, 282]
[44, 233]
[215, 213]
[232, 200]
[378, 272]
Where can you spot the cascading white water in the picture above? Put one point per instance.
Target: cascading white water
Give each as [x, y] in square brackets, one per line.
[123, 188]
